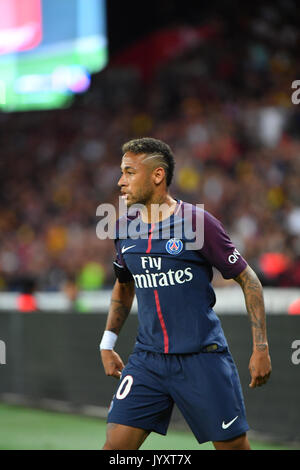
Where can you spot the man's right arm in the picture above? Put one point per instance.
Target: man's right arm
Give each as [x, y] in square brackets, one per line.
[121, 302]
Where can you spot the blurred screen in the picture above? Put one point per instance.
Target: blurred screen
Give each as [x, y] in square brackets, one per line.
[48, 49]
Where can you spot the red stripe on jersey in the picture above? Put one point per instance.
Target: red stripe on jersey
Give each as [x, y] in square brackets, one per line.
[150, 239]
[158, 309]
[162, 322]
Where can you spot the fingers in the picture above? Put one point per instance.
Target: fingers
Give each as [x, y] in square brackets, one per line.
[252, 383]
[113, 364]
[118, 374]
[121, 364]
[113, 373]
[258, 381]
[117, 369]
[264, 379]
[260, 369]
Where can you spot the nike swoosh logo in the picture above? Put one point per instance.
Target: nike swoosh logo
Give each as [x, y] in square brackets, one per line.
[126, 248]
[226, 425]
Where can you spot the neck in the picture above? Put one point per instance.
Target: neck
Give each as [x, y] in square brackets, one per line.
[159, 208]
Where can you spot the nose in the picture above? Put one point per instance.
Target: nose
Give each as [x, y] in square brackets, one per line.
[122, 181]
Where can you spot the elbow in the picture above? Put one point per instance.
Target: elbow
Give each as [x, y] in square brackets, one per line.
[248, 277]
[125, 288]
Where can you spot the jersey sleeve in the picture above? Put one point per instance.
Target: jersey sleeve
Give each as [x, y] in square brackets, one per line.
[219, 250]
[121, 271]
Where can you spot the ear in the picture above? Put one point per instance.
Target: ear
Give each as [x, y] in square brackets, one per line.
[158, 175]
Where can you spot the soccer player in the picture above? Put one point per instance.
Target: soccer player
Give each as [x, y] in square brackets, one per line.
[181, 354]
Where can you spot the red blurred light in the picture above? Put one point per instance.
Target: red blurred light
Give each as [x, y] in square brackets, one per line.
[273, 264]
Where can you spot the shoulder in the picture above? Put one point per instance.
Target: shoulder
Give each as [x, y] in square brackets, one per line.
[189, 208]
[196, 214]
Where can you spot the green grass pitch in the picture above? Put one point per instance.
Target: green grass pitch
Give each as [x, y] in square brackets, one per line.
[30, 429]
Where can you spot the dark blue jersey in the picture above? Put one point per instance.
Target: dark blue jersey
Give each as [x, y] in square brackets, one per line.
[173, 281]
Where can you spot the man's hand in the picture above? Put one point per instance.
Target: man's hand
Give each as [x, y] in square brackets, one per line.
[260, 362]
[112, 363]
[260, 367]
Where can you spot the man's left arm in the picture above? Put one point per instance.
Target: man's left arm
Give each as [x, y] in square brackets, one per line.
[260, 362]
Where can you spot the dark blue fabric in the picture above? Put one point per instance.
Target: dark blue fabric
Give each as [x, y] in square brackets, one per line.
[204, 386]
[173, 284]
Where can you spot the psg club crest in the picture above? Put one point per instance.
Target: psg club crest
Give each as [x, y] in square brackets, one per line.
[174, 246]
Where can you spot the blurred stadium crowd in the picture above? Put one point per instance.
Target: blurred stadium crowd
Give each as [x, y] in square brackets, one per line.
[224, 106]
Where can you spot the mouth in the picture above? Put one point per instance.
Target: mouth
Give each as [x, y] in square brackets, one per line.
[124, 196]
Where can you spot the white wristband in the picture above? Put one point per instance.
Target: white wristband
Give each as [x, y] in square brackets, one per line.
[109, 340]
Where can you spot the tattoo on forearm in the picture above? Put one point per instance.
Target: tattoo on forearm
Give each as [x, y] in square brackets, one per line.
[261, 347]
[118, 314]
[255, 306]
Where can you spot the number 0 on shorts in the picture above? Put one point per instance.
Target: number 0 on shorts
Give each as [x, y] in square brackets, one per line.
[125, 387]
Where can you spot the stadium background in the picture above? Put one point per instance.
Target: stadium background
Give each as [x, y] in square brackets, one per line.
[215, 82]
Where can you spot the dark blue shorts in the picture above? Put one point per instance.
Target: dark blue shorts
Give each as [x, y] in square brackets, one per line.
[205, 387]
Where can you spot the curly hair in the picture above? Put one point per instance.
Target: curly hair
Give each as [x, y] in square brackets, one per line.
[157, 150]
